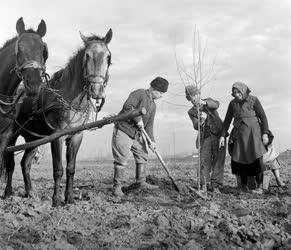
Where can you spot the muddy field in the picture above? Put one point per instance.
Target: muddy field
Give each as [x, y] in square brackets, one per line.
[162, 219]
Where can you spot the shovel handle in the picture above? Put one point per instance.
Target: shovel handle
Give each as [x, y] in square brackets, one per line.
[161, 160]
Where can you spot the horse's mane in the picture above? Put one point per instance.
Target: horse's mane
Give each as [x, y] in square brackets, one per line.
[13, 39]
[77, 59]
[57, 75]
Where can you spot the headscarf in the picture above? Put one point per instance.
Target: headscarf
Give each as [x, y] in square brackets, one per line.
[242, 88]
[190, 91]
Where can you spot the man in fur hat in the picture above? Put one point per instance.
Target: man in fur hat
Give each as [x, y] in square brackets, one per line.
[212, 157]
[127, 136]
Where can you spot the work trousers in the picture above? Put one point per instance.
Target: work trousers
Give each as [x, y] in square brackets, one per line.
[212, 161]
[122, 144]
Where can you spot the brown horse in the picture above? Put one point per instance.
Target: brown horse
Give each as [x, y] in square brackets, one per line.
[22, 59]
[66, 102]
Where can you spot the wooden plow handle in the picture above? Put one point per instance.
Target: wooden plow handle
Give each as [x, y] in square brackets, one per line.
[70, 131]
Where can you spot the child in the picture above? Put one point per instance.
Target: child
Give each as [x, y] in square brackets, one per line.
[271, 163]
[212, 158]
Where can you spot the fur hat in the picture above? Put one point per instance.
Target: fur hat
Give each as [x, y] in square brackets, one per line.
[160, 84]
[190, 91]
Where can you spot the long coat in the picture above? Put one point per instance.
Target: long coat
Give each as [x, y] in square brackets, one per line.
[250, 122]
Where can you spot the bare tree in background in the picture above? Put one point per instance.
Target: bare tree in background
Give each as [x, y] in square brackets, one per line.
[201, 74]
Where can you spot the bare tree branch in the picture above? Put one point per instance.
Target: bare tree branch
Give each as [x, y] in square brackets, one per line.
[202, 74]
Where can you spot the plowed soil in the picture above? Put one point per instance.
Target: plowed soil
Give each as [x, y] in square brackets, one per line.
[161, 219]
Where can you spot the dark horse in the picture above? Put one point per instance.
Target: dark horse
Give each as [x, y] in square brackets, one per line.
[72, 94]
[22, 59]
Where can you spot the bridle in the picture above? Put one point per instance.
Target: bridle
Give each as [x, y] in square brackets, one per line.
[87, 91]
[19, 68]
[32, 64]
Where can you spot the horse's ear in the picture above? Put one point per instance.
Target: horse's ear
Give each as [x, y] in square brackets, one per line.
[84, 38]
[20, 27]
[41, 29]
[108, 36]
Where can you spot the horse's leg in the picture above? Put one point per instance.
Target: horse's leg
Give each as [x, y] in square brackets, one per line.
[7, 162]
[26, 162]
[3, 143]
[56, 149]
[6, 129]
[73, 145]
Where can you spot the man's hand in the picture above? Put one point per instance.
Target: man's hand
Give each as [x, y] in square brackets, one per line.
[202, 102]
[140, 124]
[221, 142]
[265, 139]
[195, 99]
[153, 146]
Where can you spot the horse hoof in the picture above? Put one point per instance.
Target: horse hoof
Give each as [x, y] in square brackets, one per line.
[57, 202]
[7, 193]
[31, 195]
[70, 200]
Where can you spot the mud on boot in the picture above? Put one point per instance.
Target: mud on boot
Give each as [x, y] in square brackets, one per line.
[117, 191]
[141, 178]
[146, 186]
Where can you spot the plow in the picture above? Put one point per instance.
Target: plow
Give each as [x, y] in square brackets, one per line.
[74, 130]
[95, 125]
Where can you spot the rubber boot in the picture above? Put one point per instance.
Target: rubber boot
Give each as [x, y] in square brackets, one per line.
[245, 188]
[253, 182]
[117, 181]
[238, 182]
[258, 184]
[244, 184]
[266, 180]
[141, 177]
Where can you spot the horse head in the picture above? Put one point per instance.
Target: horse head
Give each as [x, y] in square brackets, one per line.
[31, 54]
[96, 62]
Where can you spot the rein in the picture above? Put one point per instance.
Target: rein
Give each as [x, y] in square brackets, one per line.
[12, 104]
[13, 100]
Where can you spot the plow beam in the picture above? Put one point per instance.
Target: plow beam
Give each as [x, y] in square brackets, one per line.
[71, 131]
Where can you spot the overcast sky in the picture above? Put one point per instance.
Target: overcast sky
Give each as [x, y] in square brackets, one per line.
[248, 41]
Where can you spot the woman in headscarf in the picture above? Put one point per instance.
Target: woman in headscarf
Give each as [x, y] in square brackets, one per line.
[249, 133]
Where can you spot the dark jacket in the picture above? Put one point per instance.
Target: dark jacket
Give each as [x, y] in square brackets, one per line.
[213, 123]
[249, 123]
[245, 112]
[139, 98]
